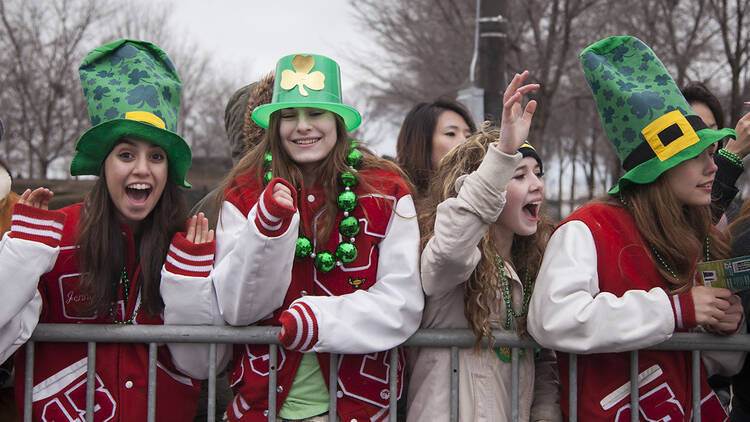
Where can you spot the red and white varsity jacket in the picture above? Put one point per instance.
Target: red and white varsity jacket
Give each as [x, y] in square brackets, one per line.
[38, 257]
[598, 294]
[361, 309]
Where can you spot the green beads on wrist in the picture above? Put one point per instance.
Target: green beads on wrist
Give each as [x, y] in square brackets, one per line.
[732, 157]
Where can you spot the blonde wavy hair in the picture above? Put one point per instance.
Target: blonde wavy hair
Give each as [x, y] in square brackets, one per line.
[482, 291]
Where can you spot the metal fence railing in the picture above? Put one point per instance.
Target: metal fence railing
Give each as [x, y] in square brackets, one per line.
[447, 338]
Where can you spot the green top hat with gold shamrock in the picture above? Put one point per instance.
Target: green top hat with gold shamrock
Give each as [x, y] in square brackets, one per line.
[307, 81]
[645, 116]
[132, 90]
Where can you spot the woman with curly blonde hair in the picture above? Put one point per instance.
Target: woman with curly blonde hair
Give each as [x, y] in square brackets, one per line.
[483, 239]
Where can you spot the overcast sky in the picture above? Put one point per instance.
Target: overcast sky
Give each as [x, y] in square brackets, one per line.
[254, 34]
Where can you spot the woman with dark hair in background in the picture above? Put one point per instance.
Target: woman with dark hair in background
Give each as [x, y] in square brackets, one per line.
[729, 158]
[428, 132]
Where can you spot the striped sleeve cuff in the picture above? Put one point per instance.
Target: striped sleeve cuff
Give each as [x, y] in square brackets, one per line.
[36, 224]
[300, 327]
[683, 310]
[190, 259]
[272, 218]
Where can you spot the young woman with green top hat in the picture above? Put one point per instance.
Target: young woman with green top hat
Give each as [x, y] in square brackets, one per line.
[483, 236]
[117, 258]
[619, 273]
[320, 236]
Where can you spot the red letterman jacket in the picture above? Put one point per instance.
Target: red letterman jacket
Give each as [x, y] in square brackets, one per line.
[363, 380]
[59, 391]
[665, 376]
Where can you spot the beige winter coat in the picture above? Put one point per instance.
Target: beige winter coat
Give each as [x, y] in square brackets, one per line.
[447, 261]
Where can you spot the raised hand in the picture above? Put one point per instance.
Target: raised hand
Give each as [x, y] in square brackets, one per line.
[197, 230]
[741, 145]
[283, 195]
[515, 126]
[38, 198]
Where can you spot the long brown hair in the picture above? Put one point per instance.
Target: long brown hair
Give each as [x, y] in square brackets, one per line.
[414, 142]
[677, 232]
[482, 292]
[102, 253]
[284, 167]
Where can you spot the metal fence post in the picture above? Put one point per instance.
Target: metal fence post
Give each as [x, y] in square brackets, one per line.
[28, 399]
[696, 387]
[151, 382]
[454, 384]
[333, 385]
[634, 384]
[90, 381]
[393, 385]
[272, 372]
[573, 387]
[514, 384]
[211, 405]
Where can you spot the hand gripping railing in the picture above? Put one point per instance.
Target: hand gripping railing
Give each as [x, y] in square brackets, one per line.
[447, 338]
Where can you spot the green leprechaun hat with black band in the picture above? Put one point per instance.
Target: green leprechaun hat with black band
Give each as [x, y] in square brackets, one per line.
[645, 116]
[307, 81]
[132, 90]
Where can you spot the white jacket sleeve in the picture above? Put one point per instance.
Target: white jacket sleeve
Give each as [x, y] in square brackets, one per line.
[567, 311]
[23, 262]
[389, 312]
[452, 253]
[252, 272]
[190, 299]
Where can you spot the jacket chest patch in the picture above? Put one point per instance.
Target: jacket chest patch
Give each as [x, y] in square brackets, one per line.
[357, 282]
[73, 301]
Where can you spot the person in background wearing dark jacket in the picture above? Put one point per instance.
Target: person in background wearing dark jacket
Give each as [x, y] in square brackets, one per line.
[729, 158]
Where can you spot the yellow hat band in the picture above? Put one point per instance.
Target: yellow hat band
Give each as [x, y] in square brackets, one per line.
[146, 117]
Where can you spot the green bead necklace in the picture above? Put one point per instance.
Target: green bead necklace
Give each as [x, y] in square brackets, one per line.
[346, 251]
[125, 282]
[505, 289]
[658, 255]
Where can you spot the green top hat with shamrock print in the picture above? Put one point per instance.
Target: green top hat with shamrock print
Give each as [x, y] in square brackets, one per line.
[307, 81]
[132, 90]
[645, 116]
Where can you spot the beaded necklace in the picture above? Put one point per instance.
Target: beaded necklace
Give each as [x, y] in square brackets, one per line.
[658, 255]
[346, 251]
[125, 282]
[505, 289]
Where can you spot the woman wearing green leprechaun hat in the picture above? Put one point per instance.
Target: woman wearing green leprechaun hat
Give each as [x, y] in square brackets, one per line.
[320, 236]
[117, 258]
[618, 274]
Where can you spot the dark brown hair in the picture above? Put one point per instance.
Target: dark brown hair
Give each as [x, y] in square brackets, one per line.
[698, 92]
[414, 144]
[678, 232]
[102, 253]
[284, 167]
[482, 291]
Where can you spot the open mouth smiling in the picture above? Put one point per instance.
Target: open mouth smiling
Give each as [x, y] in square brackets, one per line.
[138, 192]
